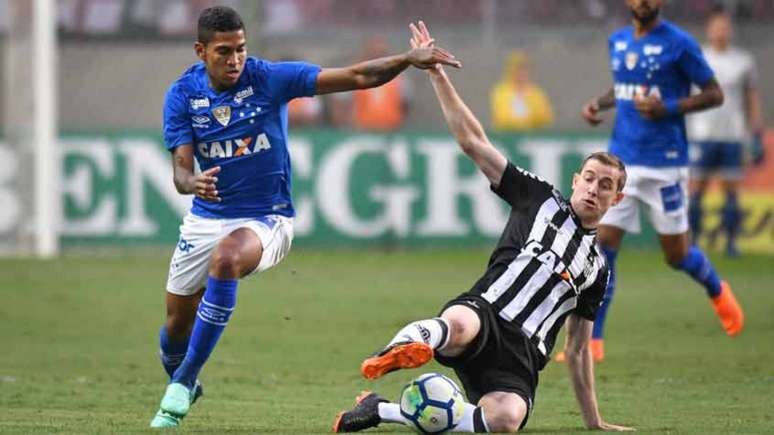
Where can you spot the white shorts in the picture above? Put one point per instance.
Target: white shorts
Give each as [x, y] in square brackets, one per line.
[661, 191]
[199, 236]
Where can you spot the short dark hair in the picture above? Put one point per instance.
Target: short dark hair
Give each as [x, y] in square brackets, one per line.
[718, 9]
[607, 159]
[217, 19]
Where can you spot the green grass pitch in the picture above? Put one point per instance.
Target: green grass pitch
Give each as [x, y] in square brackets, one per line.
[79, 344]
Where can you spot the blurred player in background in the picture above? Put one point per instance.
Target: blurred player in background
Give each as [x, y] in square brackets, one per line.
[719, 135]
[654, 63]
[546, 268]
[229, 112]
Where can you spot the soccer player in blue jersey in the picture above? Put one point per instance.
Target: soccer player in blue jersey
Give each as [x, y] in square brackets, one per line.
[229, 113]
[654, 63]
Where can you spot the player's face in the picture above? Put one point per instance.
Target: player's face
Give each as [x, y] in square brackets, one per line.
[224, 57]
[645, 11]
[719, 31]
[594, 191]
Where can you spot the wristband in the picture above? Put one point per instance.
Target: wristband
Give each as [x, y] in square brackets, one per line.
[672, 106]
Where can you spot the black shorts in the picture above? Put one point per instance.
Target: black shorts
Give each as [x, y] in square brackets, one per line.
[501, 358]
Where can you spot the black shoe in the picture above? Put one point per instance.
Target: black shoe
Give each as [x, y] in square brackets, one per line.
[363, 415]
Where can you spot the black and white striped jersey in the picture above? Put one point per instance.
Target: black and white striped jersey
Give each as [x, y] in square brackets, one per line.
[546, 265]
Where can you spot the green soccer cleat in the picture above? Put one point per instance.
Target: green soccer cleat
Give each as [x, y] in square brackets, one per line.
[164, 420]
[177, 400]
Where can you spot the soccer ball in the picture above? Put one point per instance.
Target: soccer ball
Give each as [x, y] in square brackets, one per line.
[432, 403]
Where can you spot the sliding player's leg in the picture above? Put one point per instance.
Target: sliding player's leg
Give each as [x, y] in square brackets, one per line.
[417, 342]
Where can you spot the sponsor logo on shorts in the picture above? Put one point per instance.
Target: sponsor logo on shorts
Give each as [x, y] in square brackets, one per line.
[184, 246]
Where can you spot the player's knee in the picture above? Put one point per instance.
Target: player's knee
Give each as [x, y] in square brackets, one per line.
[458, 332]
[504, 419]
[225, 263]
[464, 325]
[503, 412]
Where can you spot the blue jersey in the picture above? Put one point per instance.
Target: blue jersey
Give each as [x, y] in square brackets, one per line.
[244, 130]
[664, 63]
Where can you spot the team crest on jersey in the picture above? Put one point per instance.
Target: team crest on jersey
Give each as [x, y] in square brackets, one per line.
[631, 60]
[222, 114]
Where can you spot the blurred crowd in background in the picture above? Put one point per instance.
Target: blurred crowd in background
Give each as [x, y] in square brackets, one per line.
[176, 18]
[524, 60]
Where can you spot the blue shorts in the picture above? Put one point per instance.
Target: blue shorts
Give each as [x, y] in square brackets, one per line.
[722, 158]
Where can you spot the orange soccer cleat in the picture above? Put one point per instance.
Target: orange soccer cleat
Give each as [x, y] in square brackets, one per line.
[728, 310]
[597, 351]
[403, 355]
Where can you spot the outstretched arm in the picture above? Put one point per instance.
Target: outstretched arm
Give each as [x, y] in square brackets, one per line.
[581, 367]
[463, 124]
[377, 72]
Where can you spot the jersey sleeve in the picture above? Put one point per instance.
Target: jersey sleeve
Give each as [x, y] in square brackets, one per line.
[693, 64]
[288, 80]
[519, 187]
[590, 299]
[177, 127]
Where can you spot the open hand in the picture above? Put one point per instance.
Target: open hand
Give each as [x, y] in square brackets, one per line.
[607, 427]
[424, 54]
[204, 185]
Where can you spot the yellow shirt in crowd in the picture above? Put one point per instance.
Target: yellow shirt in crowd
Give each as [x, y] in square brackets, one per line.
[524, 109]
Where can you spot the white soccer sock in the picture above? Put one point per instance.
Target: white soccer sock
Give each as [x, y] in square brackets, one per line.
[390, 413]
[434, 332]
[468, 421]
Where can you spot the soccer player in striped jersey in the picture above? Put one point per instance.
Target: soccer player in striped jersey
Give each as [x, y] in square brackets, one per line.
[547, 267]
[654, 64]
[719, 134]
[229, 113]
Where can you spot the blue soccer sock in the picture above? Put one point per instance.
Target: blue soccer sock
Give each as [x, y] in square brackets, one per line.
[699, 267]
[215, 309]
[172, 352]
[599, 322]
[731, 219]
